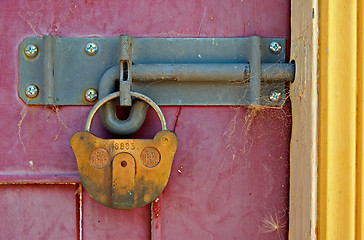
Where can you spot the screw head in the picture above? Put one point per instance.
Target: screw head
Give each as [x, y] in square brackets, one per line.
[91, 94]
[165, 140]
[31, 90]
[275, 96]
[275, 47]
[31, 50]
[91, 48]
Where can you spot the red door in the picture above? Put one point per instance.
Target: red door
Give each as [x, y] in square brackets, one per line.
[230, 175]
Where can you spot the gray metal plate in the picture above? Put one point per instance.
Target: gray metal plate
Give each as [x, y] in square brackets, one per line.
[74, 71]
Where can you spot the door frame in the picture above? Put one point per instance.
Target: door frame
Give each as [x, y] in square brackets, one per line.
[304, 139]
[327, 159]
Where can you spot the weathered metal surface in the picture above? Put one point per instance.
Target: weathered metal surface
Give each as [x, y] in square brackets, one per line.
[125, 79]
[62, 70]
[194, 202]
[124, 173]
[232, 73]
[108, 114]
[212, 72]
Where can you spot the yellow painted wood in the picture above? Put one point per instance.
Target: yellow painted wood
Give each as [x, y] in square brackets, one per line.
[337, 119]
[360, 128]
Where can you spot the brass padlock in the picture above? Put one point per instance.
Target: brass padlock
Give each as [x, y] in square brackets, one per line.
[124, 173]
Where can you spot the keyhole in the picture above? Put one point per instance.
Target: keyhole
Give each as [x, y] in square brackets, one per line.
[124, 163]
[125, 71]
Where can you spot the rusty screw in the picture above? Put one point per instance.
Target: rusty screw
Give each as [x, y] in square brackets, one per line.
[91, 94]
[91, 48]
[275, 47]
[31, 50]
[31, 90]
[275, 96]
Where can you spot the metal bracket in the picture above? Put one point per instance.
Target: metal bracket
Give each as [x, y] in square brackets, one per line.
[171, 71]
[125, 70]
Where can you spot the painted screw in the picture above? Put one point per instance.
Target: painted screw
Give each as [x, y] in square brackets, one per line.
[275, 47]
[31, 50]
[275, 96]
[31, 90]
[91, 94]
[91, 48]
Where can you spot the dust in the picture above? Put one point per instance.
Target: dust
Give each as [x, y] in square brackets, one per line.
[42, 18]
[55, 109]
[274, 223]
[202, 18]
[23, 114]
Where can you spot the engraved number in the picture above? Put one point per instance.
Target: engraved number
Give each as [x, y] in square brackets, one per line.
[124, 146]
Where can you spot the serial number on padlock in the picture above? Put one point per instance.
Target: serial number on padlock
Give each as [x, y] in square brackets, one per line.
[124, 146]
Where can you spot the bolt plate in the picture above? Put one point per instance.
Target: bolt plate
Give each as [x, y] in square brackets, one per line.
[70, 71]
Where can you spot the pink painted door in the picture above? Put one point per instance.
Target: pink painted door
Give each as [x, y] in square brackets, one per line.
[230, 174]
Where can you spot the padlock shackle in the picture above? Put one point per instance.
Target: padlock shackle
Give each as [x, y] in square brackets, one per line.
[117, 94]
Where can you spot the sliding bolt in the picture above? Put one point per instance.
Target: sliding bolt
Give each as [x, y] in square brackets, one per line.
[275, 47]
[275, 96]
[91, 94]
[31, 90]
[31, 50]
[91, 48]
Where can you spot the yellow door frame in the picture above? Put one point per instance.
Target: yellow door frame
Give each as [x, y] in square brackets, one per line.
[340, 115]
[326, 193]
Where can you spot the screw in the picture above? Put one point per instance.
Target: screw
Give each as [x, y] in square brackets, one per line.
[164, 140]
[31, 50]
[91, 94]
[275, 47]
[31, 90]
[91, 48]
[275, 96]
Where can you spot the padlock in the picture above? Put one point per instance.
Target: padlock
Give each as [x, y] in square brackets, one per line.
[124, 173]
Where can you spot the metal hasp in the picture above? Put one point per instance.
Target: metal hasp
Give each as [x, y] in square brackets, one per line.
[121, 75]
[171, 71]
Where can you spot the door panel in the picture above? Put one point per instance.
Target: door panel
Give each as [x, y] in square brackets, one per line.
[229, 178]
[230, 174]
[100, 222]
[39, 212]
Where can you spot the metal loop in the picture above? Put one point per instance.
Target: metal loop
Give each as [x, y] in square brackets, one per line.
[108, 115]
[117, 94]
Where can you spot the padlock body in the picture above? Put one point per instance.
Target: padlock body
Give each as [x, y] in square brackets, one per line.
[124, 173]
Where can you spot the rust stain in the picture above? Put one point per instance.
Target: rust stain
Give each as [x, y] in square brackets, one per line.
[316, 230]
[78, 215]
[156, 209]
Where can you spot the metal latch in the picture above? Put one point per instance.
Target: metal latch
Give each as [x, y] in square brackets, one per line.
[171, 71]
